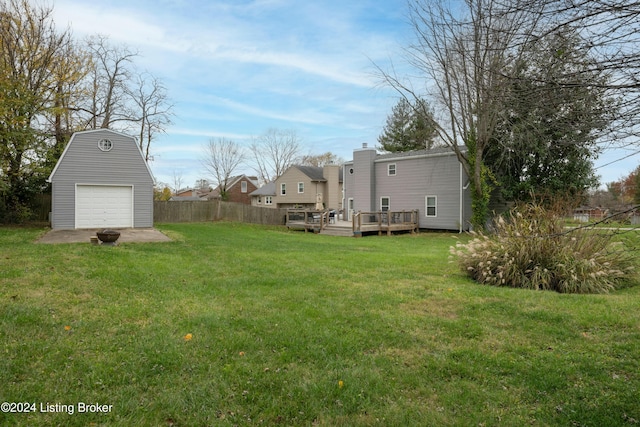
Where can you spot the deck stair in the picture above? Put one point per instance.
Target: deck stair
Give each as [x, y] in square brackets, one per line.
[338, 230]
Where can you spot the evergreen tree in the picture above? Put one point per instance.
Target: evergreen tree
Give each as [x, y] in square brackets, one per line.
[409, 127]
[547, 137]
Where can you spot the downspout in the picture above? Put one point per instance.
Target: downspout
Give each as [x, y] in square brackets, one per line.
[344, 189]
[461, 200]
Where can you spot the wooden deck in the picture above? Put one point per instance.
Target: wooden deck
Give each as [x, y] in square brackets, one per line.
[362, 222]
[307, 219]
[385, 222]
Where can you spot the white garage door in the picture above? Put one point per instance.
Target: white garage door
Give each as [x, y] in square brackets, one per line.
[104, 206]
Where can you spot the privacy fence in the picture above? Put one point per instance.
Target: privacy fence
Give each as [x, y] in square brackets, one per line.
[184, 211]
[215, 210]
[37, 210]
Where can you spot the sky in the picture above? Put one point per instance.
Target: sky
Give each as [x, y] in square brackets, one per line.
[236, 68]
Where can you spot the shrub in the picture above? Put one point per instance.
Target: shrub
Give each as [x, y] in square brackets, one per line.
[529, 248]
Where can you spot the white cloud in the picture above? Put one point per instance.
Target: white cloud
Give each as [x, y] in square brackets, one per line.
[236, 68]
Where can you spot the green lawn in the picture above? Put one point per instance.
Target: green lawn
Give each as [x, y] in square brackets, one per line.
[289, 328]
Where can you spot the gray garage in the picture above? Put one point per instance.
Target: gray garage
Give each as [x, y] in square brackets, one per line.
[101, 181]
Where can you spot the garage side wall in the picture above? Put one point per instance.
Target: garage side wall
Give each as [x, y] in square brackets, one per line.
[63, 205]
[83, 162]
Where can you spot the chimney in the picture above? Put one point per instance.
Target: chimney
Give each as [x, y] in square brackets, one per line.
[364, 145]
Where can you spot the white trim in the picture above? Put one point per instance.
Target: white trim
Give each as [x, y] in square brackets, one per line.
[388, 203]
[426, 206]
[244, 186]
[283, 188]
[301, 192]
[102, 144]
[395, 169]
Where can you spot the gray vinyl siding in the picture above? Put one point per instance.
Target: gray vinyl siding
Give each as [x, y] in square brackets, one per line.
[364, 180]
[417, 176]
[84, 163]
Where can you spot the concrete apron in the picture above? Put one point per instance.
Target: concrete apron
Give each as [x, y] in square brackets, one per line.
[127, 235]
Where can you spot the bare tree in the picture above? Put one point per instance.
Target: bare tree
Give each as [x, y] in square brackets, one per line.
[478, 60]
[320, 160]
[222, 158]
[274, 152]
[178, 181]
[609, 33]
[112, 70]
[123, 98]
[153, 108]
[461, 56]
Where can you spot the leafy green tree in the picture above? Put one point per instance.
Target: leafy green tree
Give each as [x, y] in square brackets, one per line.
[410, 126]
[162, 193]
[31, 55]
[546, 138]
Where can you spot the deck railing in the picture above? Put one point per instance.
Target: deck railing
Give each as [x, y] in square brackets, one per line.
[309, 219]
[384, 221]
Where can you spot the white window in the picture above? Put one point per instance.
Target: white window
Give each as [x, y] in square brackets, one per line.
[105, 144]
[259, 200]
[301, 187]
[391, 169]
[385, 204]
[268, 200]
[283, 189]
[243, 186]
[431, 203]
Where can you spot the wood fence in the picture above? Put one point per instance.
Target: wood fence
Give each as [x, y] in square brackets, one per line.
[215, 210]
[187, 211]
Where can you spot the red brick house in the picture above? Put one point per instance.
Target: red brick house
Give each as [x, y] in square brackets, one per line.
[238, 189]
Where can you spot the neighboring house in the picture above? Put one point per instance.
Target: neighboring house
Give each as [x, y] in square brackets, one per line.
[430, 181]
[587, 213]
[190, 194]
[239, 189]
[101, 181]
[303, 187]
[264, 196]
[186, 192]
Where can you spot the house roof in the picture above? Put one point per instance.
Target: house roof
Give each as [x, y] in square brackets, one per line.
[316, 173]
[437, 151]
[233, 180]
[415, 153]
[313, 172]
[266, 190]
[76, 134]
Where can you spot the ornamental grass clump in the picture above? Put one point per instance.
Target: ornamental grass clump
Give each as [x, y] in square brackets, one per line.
[530, 248]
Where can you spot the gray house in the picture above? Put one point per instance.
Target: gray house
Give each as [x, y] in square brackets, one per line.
[430, 181]
[101, 181]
